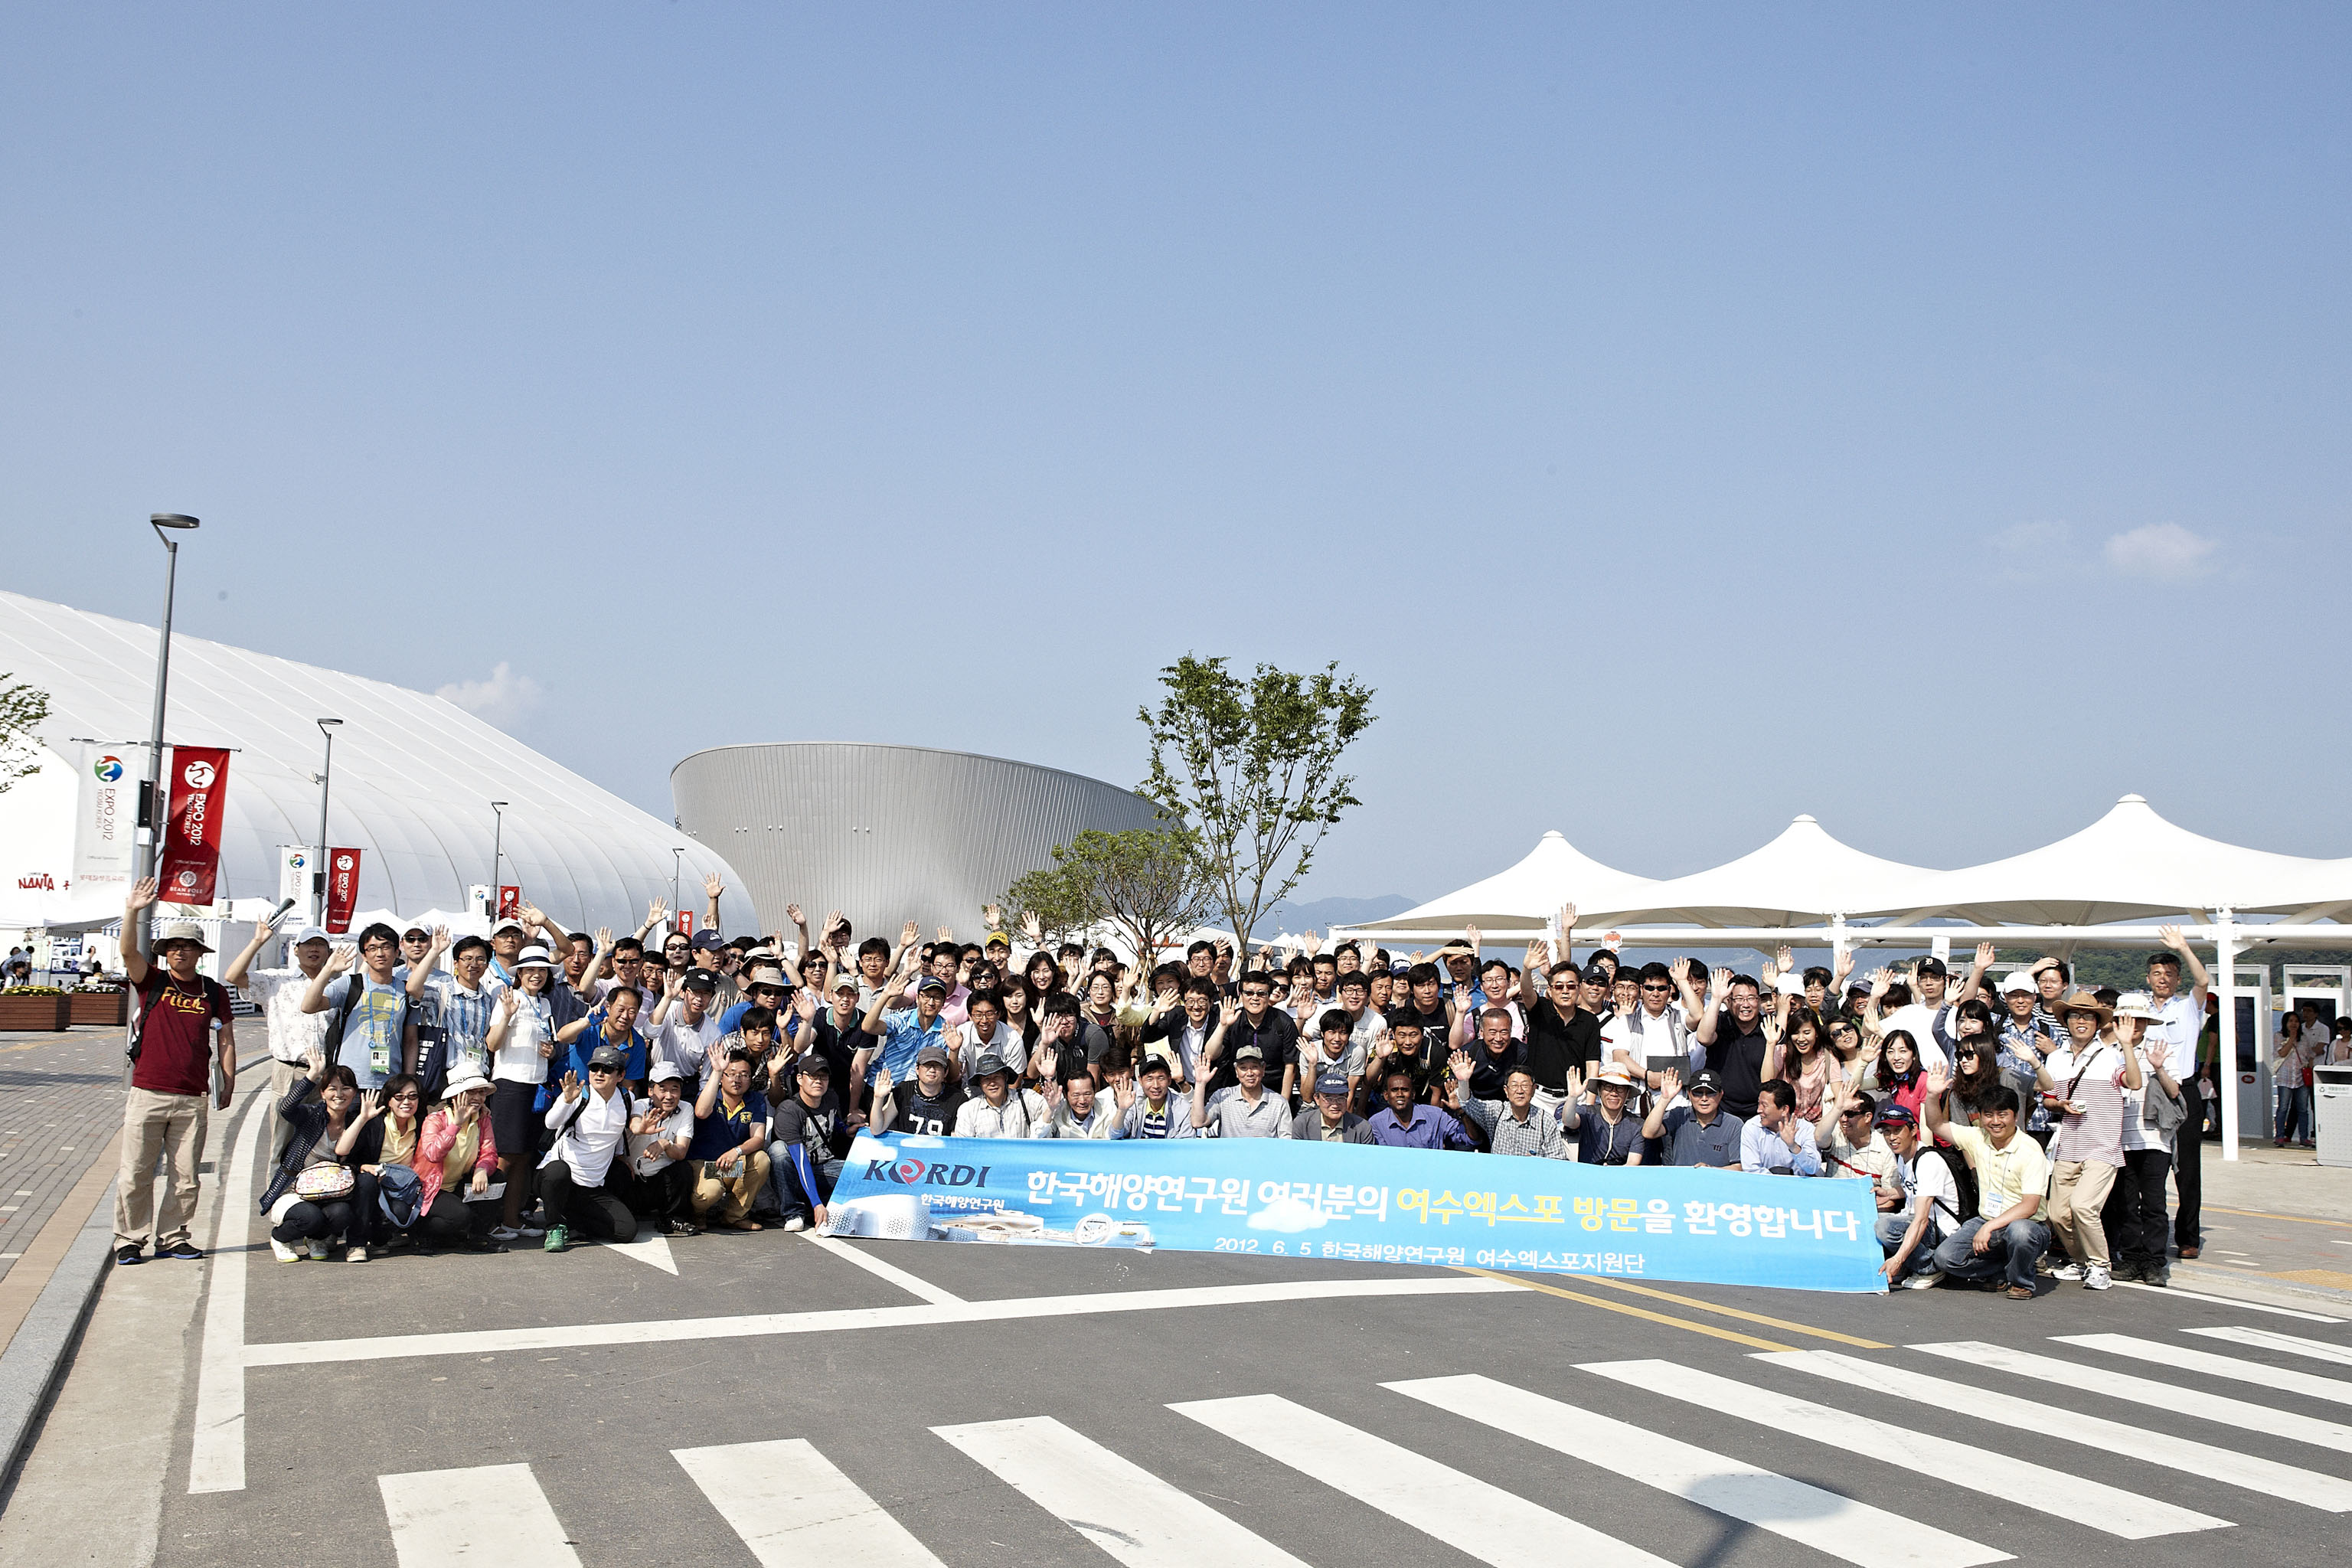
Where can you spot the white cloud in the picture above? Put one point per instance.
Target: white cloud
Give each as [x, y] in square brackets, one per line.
[2164, 551]
[501, 700]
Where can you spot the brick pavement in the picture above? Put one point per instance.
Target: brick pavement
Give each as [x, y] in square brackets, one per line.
[60, 1102]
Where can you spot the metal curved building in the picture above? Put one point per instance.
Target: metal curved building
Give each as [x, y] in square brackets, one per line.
[886, 834]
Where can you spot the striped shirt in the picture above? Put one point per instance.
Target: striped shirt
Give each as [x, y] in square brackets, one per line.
[2096, 1136]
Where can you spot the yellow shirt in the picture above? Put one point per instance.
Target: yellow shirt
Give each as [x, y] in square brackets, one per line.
[2003, 1176]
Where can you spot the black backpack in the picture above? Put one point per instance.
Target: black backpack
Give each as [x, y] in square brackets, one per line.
[1964, 1181]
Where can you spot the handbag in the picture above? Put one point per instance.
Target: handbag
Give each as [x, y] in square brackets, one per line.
[322, 1184]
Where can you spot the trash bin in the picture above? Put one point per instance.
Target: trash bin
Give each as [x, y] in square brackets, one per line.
[2331, 1098]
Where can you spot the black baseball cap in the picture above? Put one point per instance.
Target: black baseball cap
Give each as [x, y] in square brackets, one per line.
[700, 980]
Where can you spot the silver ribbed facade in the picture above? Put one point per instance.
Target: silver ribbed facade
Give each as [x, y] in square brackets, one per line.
[886, 834]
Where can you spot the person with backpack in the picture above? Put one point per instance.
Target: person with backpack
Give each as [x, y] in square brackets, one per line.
[1937, 1189]
[591, 1127]
[371, 1028]
[175, 1057]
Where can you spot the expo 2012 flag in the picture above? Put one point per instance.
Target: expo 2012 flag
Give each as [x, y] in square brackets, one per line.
[190, 862]
[106, 812]
[342, 889]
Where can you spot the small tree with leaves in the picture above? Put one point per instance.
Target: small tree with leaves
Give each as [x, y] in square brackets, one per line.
[1248, 772]
[1143, 883]
[1051, 905]
[21, 708]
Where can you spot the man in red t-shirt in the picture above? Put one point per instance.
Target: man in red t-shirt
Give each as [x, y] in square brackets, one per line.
[178, 1009]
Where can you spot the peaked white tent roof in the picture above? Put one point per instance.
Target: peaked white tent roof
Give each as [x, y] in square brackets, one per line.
[2129, 865]
[1802, 877]
[1517, 901]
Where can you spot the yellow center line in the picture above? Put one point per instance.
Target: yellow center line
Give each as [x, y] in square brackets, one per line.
[2264, 1214]
[1709, 1329]
[1751, 1317]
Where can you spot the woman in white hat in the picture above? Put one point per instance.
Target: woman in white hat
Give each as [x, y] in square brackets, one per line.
[521, 1039]
[455, 1154]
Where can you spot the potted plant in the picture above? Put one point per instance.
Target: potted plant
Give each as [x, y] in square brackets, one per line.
[34, 1007]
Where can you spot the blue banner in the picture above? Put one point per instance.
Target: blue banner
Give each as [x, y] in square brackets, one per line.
[1272, 1197]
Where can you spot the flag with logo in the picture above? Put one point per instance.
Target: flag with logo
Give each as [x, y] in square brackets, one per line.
[342, 889]
[106, 812]
[190, 863]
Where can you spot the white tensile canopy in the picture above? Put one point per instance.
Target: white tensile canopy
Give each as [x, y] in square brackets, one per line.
[1519, 904]
[1801, 878]
[2129, 865]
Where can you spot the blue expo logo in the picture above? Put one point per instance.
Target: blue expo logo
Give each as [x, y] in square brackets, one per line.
[109, 770]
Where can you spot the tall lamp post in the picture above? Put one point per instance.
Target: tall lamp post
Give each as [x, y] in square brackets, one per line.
[677, 860]
[497, 849]
[326, 783]
[151, 801]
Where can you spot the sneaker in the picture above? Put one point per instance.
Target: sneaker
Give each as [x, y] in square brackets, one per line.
[684, 1227]
[355, 1254]
[283, 1252]
[2070, 1272]
[531, 1232]
[317, 1252]
[2096, 1277]
[504, 1233]
[2158, 1276]
[128, 1253]
[185, 1251]
[1926, 1280]
[798, 1222]
[559, 1239]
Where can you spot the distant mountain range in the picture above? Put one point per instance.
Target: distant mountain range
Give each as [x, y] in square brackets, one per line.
[1322, 914]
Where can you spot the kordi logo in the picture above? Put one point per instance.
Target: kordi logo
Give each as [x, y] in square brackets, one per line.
[913, 1173]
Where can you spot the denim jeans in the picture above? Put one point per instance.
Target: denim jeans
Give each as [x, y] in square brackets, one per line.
[2012, 1252]
[1892, 1229]
[2293, 1114]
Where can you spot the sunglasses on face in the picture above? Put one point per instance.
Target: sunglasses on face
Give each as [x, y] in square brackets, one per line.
[602, 1072]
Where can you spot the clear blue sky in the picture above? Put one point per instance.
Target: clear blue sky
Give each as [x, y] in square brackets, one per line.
[1673, 412]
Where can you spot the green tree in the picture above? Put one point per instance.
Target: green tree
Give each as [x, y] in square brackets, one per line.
[21, 708]
[1143, 883]
[1248, 772]
[1050, 905]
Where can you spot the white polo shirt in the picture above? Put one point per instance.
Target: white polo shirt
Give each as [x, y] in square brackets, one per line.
[2178, 1022]
[591, 1142]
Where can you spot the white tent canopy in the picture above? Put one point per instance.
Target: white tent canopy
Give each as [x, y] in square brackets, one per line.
[2129, 865]
[1802, 877]
[1520, 902]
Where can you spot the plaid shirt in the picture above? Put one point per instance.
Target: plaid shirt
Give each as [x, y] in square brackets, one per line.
[462, 1019]
[1539, 1135]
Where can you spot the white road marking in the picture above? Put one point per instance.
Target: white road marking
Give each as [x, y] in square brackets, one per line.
[1119, 1506]
[1824, 1521]
[2019, 1418]
[216, 1452]
[2169, 1396]
[667, 1331]
[2241, 1303]
[495, 1513]
[2335, 1390]
[1470, 1515]
[650, 1247]
[913, 1284]
[2016, 1482]
[792, 1505]
[2318, 1350]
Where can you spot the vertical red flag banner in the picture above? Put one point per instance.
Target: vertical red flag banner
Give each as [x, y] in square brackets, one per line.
[342, 889]
[192, 830]
[686, 922]
[510, 900]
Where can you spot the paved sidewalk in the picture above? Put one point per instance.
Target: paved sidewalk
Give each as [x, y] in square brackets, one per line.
[61, 1106]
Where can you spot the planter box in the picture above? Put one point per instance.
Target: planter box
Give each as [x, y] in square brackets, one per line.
[33, 1012]
[100, 1008]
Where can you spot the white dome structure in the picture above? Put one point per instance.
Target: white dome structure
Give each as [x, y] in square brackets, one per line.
[414, 779]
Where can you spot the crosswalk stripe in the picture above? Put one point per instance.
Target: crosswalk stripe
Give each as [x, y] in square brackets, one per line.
[1119, 1506]
[2024, 1418]
[1855, 1532]
[2168, 1396]
[791, 1505]
[2013, 1480]
[1473, 1516]
[492, 1513]
[2335, 1390]
[2293, 1344]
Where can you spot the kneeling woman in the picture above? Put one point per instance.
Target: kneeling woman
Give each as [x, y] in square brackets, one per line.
[455, 1154]
[319, 1189]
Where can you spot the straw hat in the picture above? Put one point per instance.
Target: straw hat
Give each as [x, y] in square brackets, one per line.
[2083, 1002]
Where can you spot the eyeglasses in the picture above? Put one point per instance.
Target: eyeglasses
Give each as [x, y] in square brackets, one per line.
[594, 1072]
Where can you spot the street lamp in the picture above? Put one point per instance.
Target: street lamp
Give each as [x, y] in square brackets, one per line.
[151, 796]
[676, 859]
[497, 847]
[326, 783]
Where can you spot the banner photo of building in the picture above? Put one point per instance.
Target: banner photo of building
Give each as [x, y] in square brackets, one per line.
[1278, 1198]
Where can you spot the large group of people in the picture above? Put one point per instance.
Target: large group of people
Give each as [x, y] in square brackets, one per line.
[543, 1086]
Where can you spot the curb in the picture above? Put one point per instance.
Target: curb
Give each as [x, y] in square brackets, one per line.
[43, 1346]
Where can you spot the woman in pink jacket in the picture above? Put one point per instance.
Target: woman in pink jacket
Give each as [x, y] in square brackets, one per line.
[457, 1140]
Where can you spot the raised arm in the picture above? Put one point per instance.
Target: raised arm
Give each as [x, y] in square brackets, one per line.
[712, 886]
[239, 965]
[2200, 982]
[422, 970]
[134, 963]
[1670, 1085]
[314, 996]
[1974, 987]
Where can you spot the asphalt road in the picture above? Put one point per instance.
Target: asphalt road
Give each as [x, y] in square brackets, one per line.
[775, 1400]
